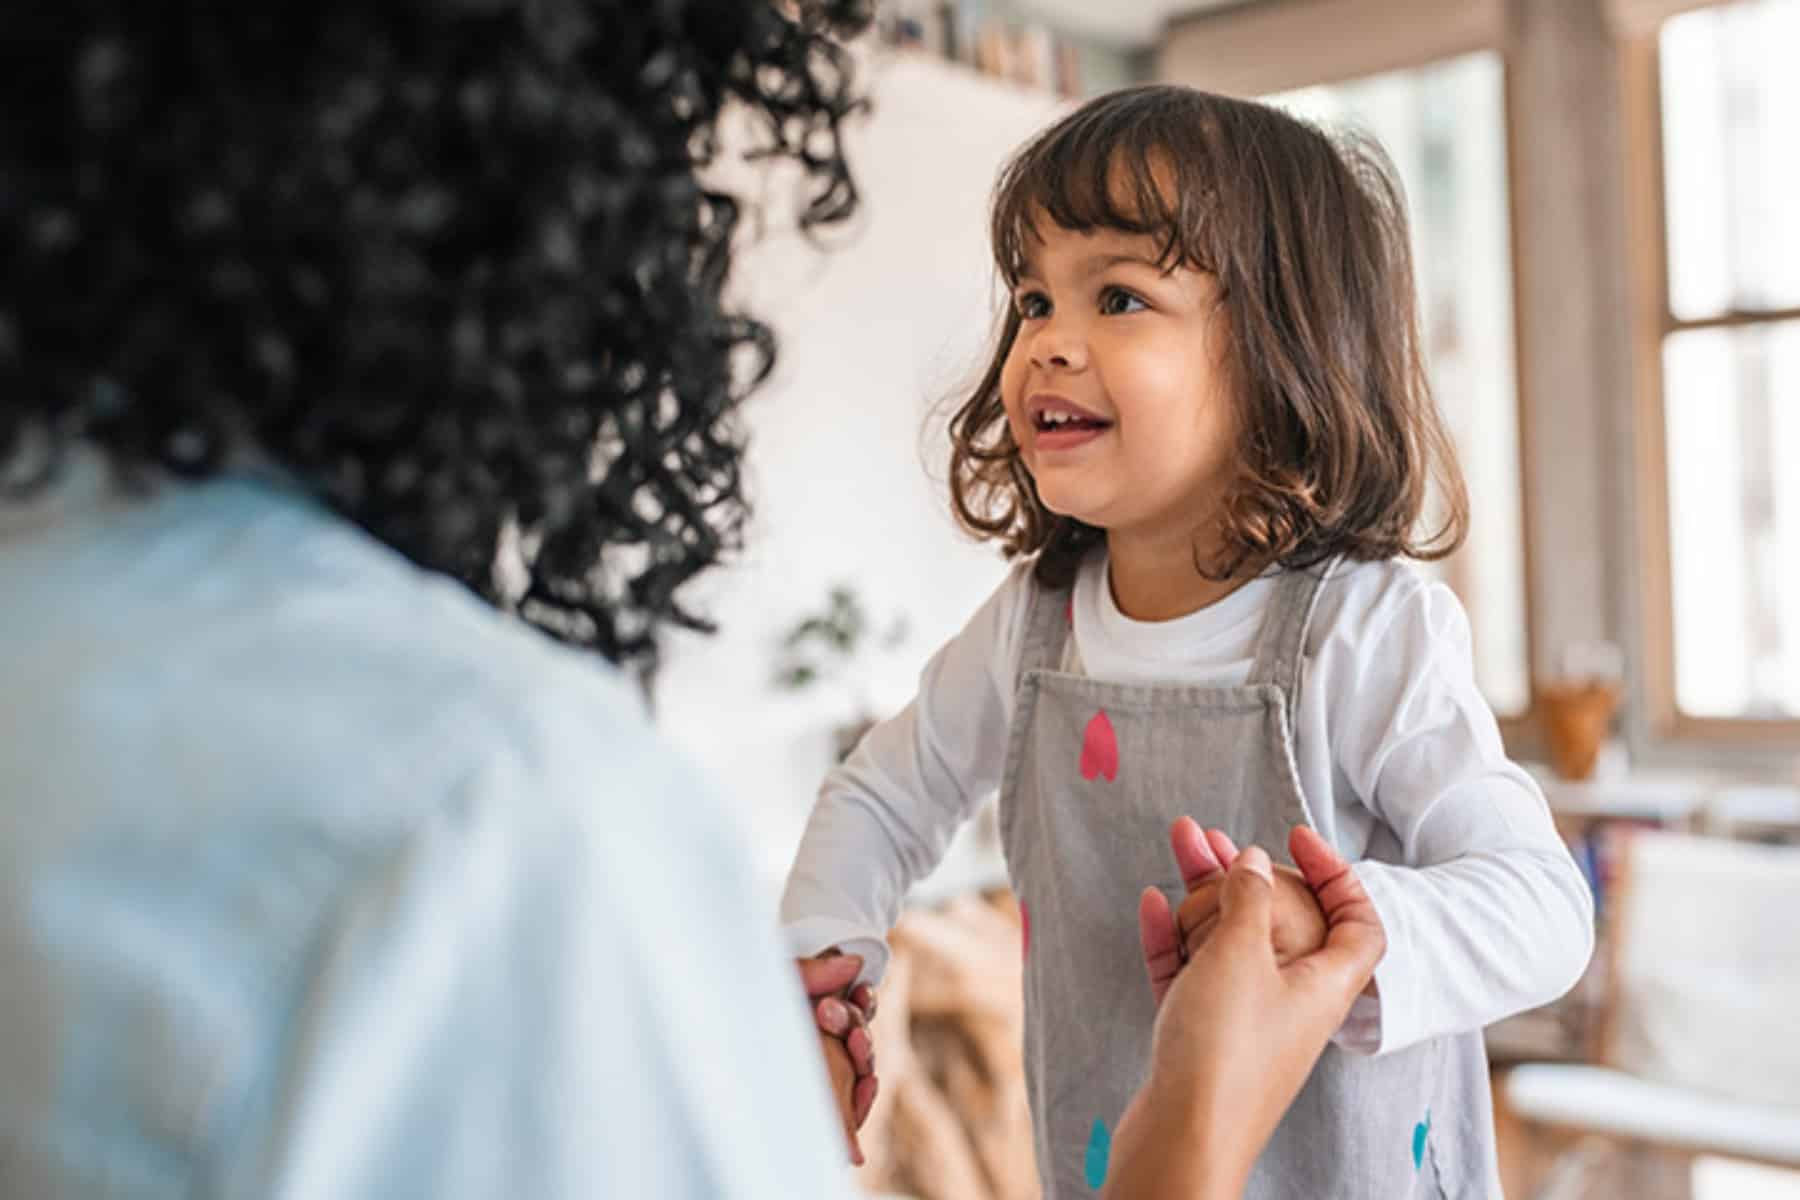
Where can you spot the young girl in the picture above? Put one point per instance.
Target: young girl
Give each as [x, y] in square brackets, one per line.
[1207, 437]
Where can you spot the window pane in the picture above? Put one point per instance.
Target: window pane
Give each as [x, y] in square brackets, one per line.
[1730, 99]
[1733, 421]
[1445, 128]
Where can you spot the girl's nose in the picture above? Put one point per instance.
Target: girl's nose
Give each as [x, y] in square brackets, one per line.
[1058, 344]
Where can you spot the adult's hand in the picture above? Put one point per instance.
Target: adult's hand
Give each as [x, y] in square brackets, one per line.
[1236, 1032]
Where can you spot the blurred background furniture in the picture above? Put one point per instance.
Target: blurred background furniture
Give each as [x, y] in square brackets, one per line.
[953, 1122]
[1695, 1050]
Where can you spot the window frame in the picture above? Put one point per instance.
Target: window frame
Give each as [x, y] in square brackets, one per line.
[1522, 731]
[1653, 322]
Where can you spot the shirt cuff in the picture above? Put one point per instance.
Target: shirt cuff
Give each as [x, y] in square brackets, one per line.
[1361, 1031]
[811, 935]
[1390, 1019]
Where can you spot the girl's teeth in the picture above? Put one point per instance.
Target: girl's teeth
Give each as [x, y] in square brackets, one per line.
[1056, 419]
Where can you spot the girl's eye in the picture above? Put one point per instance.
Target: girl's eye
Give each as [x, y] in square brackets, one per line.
[1117, 302]
[1033, 305]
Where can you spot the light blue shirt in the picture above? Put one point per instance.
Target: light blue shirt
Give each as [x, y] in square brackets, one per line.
[320, 878]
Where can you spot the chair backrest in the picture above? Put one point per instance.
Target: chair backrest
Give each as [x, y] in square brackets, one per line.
[1705, 980]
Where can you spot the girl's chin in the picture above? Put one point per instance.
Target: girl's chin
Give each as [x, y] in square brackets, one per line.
[1070, 507]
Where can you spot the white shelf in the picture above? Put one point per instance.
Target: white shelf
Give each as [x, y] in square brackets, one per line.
[1670, 796]
[1708, 801]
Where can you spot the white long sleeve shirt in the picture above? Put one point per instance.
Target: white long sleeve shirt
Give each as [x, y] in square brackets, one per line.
[1400, 757]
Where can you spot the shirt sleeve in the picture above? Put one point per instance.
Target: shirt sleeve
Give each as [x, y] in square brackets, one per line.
[570, 999]
[1486, 914]
[884, 817]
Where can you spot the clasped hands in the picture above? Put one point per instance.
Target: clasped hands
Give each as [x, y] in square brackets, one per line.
[1296, 922]
[1297, 926]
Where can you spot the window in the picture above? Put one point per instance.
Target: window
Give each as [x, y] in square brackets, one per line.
[1444, 126]
[1720, 369]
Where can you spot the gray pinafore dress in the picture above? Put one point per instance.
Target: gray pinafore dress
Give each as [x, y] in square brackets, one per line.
[1095, 774]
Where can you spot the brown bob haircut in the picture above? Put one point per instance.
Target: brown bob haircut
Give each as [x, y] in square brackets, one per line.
[1307, 236]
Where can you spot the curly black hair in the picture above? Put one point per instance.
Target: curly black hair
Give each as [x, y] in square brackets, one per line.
[453, 265]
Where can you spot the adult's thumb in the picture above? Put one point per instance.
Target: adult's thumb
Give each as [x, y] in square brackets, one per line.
[1247, 903]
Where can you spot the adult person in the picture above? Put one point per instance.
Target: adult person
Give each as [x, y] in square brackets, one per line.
[335, 861]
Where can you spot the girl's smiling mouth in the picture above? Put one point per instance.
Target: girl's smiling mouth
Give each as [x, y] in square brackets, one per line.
[1060, 424]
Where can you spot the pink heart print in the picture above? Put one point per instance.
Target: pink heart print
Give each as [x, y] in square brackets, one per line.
[1100, 749]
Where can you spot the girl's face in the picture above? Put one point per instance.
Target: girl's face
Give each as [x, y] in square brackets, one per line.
[1117, 387]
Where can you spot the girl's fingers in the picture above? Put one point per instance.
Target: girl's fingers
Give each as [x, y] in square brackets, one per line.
[828, 973]
[840, 1009]
[833, 1016]
[1222, 848]
[1193, 856]
[862, 1051]
[1161, 942]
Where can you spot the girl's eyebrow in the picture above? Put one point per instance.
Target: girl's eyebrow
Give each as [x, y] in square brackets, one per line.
[1093, 264]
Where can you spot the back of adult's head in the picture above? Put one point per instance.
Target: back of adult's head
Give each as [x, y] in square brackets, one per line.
[446, 263]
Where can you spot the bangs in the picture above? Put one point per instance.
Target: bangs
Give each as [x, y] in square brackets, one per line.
[1143, 161]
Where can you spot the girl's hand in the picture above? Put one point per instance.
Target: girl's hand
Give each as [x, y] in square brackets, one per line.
[842, 1014]
[1298, 926]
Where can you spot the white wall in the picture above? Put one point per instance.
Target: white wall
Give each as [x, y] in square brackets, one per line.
[876, 332]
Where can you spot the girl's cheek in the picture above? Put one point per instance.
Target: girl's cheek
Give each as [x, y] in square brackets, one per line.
[1010, 399]
[1012, 373]
[1021, 436]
